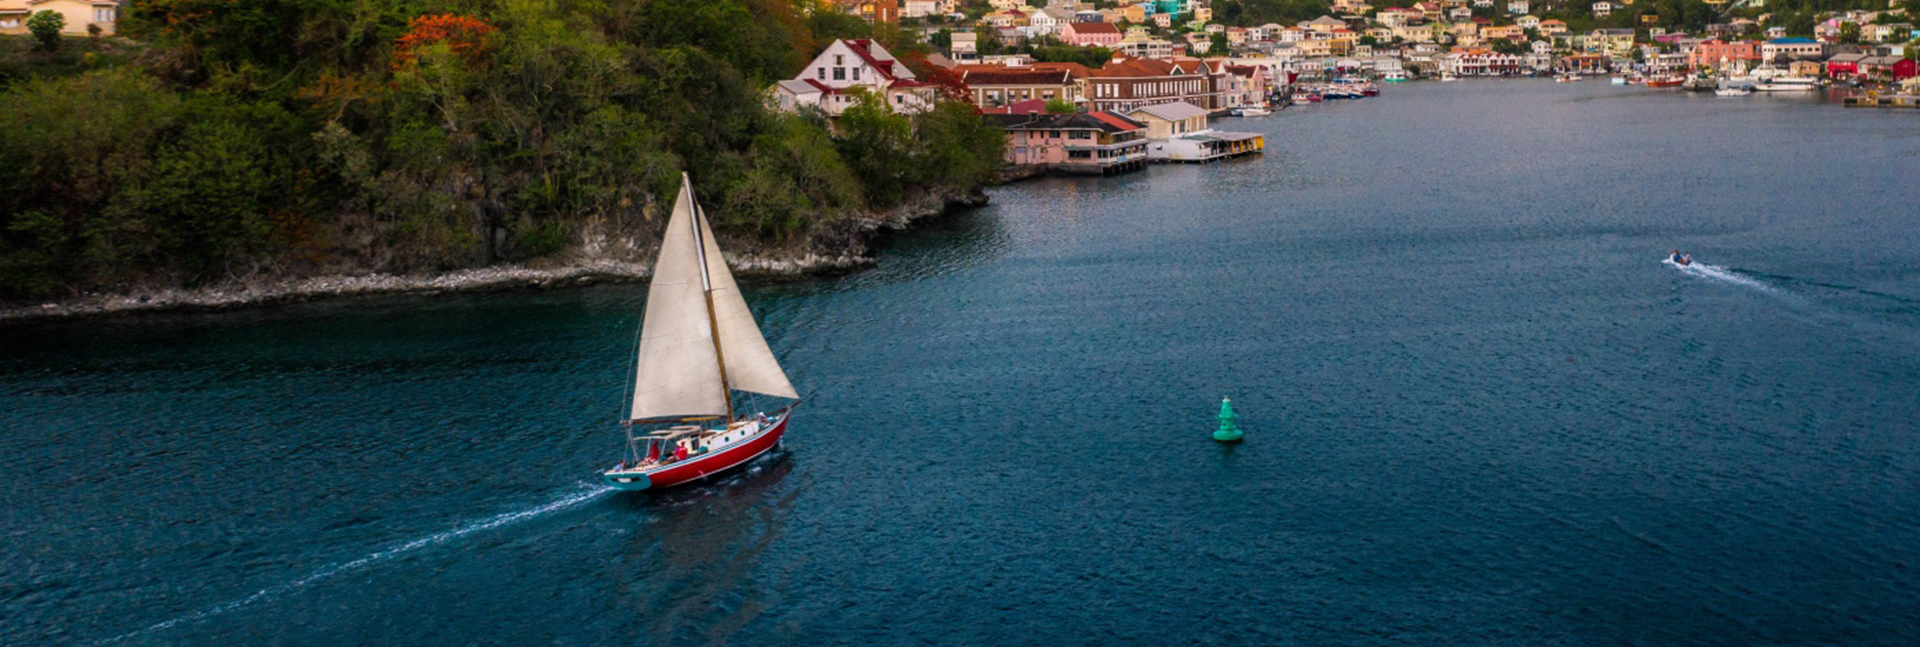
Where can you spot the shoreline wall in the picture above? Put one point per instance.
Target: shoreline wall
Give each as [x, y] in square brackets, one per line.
[839, 247]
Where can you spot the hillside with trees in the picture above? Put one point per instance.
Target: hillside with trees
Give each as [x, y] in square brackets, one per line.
[217, 141]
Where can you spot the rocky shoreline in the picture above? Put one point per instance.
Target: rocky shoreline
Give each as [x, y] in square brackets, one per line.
[839, 248]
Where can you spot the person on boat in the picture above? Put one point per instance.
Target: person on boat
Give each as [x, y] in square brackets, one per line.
[680, 453]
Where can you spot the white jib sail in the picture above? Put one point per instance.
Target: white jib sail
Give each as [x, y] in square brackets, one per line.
[678, 372]
[751, 366]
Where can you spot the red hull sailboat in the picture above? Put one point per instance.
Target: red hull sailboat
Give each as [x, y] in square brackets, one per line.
[698, 345]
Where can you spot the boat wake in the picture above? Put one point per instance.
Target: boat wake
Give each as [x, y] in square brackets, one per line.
[1721, 274]
[489, 523]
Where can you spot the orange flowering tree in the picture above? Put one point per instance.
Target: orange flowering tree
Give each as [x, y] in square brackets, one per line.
[469, 38]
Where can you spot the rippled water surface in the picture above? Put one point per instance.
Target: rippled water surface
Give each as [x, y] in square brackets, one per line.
[1479, 411]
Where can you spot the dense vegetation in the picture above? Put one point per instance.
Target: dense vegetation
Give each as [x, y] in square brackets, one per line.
[270, 137]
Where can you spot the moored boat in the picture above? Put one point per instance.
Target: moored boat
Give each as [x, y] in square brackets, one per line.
[698, 344]
[1251, 111]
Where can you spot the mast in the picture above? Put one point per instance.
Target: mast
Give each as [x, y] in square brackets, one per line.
[706, 289]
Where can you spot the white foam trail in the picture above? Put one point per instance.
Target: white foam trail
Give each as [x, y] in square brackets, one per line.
[335, 569]
[1718, 273]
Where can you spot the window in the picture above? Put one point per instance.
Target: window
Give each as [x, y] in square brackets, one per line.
[823, 74]
[856, 74]
[839, 59]
[839, 74]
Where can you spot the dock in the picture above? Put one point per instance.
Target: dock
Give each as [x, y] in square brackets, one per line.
[1908, 101]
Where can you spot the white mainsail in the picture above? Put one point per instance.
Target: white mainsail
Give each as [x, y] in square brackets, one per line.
[678, 374]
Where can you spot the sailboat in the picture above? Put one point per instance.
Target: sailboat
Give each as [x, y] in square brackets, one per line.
[698, 344]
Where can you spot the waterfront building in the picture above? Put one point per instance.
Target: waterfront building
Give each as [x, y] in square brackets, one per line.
[1178, 132]
[1890, 67]
[1094, 143]
[1718, 53]
[1792, 48]
[79, 15]
[845, 69]
[1843, 66]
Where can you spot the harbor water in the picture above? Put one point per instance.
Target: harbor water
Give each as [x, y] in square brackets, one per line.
[1478, 410]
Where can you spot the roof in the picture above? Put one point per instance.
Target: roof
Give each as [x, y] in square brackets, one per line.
[1094, 28]
[1846, 58]
[882, 61]
[1174, 111]
[1101, 121]
[1074, 70]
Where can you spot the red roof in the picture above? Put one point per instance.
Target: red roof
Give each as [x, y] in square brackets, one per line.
[1074, 70]
[1094, 28]
[860, 47]
[1117, 121]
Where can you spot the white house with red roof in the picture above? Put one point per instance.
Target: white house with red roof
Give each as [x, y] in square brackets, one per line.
[845, 69]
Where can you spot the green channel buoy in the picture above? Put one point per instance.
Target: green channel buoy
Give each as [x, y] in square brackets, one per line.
[1228, 432]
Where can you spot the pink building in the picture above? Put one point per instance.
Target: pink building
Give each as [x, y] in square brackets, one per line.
[1090, 34]
[1096, 143]
[1710, 53]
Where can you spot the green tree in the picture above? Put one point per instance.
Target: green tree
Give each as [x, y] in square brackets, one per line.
[1217, 44]
[1850, 33]
[45, 26]
[1059, 106]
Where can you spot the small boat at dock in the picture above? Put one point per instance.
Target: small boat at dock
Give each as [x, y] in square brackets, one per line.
[1251, 111]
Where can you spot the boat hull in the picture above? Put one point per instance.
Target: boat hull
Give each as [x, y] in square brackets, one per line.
[703, 466]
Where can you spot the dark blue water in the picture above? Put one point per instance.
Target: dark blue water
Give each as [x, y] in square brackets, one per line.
[1479, 411]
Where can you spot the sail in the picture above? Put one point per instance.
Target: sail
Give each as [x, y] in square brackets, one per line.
[751, 366]
[678, 369]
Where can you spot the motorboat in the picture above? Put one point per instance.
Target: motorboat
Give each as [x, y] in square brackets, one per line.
[1775, 80]
[1680, 259]
[1733, 91]
[1394, 77]
[1251, 111]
